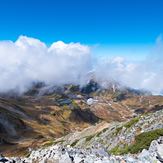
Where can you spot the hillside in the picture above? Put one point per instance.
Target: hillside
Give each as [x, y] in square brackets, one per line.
[138, 140]
[45, 114]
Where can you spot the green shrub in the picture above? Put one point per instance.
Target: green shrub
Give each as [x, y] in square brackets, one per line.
[48, 143]
[65, 107]
[131, 122]
[104, 130]
[142, 141]
[119, 151]
[117, 130]
[74, 143]
[88, 138]
[99, 133]
[114, 150]
[75, 105]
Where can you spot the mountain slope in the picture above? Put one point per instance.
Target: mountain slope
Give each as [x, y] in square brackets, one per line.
[106, 143]
[45, 114]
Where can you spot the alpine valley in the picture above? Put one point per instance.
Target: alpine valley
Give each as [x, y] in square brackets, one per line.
[89, 124]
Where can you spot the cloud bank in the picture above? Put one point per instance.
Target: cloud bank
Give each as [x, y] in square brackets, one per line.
[29, 60]
[145, 74]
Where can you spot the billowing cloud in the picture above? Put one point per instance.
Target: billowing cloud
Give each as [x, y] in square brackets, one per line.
[29, 60]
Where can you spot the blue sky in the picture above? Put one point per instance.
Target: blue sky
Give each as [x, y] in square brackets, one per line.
[115, 23]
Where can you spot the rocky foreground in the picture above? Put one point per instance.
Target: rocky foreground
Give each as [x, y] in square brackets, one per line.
[140, 140]
[60, 154]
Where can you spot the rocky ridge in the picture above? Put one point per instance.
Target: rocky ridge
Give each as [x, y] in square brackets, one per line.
[60, 154]
[107, 143]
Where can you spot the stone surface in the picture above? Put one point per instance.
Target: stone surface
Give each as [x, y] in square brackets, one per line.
[60, 154]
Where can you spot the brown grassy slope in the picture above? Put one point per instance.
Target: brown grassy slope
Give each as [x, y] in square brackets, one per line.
[31, 121]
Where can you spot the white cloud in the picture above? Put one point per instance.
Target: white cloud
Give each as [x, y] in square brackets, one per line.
[29, 60]
[145, 74]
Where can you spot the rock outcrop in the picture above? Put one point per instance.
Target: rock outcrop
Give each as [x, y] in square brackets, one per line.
[60, 154]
